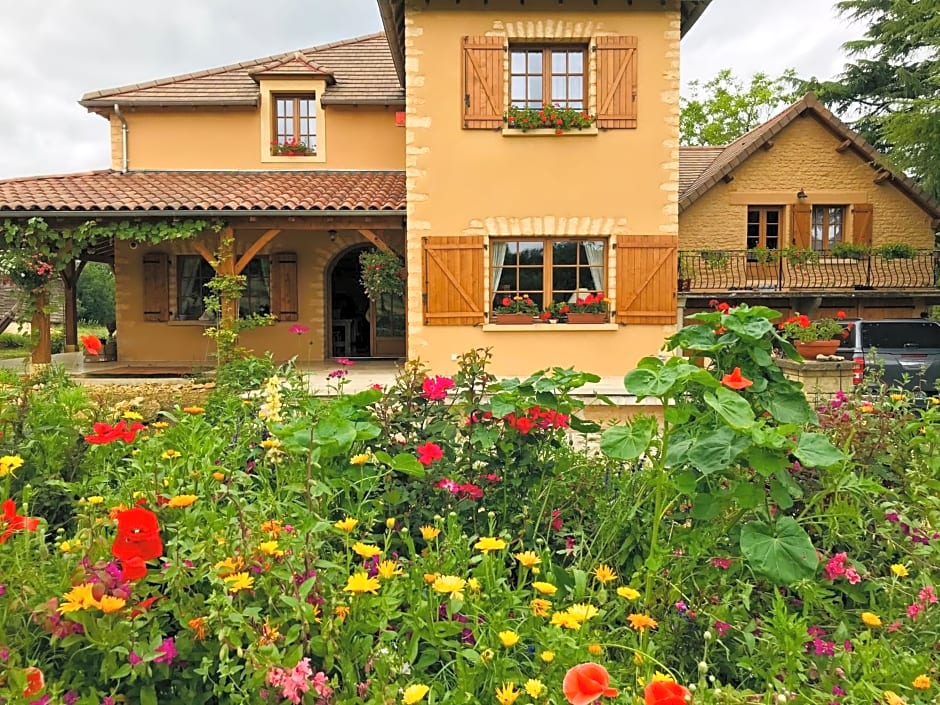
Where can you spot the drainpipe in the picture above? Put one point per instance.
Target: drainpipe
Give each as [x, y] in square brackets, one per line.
[120, 115]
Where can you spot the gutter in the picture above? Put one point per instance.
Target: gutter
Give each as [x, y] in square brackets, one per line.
[214, 213]
[120, 116]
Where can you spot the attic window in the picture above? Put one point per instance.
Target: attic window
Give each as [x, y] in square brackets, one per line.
[295, 125]
[550, 75]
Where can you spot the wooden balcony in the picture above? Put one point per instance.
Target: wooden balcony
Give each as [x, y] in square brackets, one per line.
[704, 272]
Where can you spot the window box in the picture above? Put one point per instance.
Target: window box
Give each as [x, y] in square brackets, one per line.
[578, 318]
[548, 132]
[513, 319]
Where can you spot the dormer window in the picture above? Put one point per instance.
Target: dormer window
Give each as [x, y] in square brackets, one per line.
[295, 125]
[549, 75]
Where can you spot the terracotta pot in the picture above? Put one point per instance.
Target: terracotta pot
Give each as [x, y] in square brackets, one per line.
[514, 319]
[574, 317]
[809, 351]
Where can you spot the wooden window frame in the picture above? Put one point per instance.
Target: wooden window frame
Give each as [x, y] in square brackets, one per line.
[548, 265]
[547, 73]
[826, 226]
[296, 134]
[181, 259]
[762, 225]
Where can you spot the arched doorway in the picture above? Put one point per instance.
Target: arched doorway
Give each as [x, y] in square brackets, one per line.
[361, 327]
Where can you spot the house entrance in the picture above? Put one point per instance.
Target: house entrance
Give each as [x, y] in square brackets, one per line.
[361, 327]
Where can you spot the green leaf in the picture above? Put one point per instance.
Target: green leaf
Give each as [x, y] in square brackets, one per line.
[731, 407]
[407, 464]
[766, 461]
[789, 405]
[716, 451]
[815, 451]
[148, 695]
[748, 495]
[752, 328]
[780, 495]
[629, 441]
[686, 482]
[340, 431]
[707, 506]
[783, 552]
[760, 356]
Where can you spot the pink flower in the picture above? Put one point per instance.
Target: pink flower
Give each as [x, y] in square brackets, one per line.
[894, 626]
[133, 659]
[723, 563]
[167, 651]
[299, 329]
[914, 610]
[294, 682]
[721, 627]
[557, 521]
[428, 453]
[435, 388]
[835, 566]
[927, 596]
[345, 362]
[446, 483]
[852, 576]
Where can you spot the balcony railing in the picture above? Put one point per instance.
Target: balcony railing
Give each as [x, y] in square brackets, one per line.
[731, 270]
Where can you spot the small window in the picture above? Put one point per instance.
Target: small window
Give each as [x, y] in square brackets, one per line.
[763, 227]
[193, 275]
[295, 125]
[827, 227]
[548, 271]
[547, 76]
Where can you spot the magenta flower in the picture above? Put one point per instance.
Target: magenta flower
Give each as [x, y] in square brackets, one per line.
[435, 388]
[299, 329]
[429, 452]
[133, 658]
[167, 651]
[723, 563]
[721, 627]
[345, 362]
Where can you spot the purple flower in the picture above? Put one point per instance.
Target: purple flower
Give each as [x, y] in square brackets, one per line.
[3, 589]
[167, 651]
[836, 690]
[337, 374]
[70, 697]
[44, 700]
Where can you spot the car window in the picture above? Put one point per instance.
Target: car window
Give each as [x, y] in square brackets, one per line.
[916, 334]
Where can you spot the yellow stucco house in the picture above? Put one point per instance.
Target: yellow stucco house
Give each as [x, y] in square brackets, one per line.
[406, 141]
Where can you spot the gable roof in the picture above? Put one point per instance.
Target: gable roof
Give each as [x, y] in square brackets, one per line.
[233, 192]
[296, 65]
[737, 152]
[361, 67]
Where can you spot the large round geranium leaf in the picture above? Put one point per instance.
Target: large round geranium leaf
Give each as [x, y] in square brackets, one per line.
[782, 551]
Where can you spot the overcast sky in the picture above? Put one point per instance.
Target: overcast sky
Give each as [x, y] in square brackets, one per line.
[54, 51]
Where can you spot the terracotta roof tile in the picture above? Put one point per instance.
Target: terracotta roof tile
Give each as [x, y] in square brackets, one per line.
[206, 190]
[362, 68]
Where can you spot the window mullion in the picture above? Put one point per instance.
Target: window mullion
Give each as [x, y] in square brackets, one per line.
[546, 77]
[548, 273]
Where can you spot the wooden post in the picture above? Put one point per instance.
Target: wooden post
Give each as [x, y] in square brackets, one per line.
[226, 267]
[40, 329]
[69, 276]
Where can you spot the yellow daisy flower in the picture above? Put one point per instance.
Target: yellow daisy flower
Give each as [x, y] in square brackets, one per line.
[583, 611]
[109, 604]
[218, 475]
[429, 533]
[414, 693]
[922, 682]
[899, 569]
[183, 500]
[507, 694]
[347, 524]
[452, 585]
[160, 425]
[540, 607]
[566, 620]
[660, 677]
[270, 548]
[871, 619]
[604, 573]
[360, 583]
[595, 649]
[194, 410]
[527, 558]
[473, 584]
[547, 656]
[95, 499]
[892, 698]
[642, 622]
[389, 569]
[628, 592]
[170, 454]
[80, 597]
[9, 463]
[132, 416]
[508, 638]
[489, 543]
[366, 550]
[341, 612]
[545, 588]
[361, 459]
[534, 687]
[239, 581]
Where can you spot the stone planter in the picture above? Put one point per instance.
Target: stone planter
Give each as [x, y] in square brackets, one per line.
[809, 351]
[574, 317]
[514, 319]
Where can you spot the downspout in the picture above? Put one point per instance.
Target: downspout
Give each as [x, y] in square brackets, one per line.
[120, 116]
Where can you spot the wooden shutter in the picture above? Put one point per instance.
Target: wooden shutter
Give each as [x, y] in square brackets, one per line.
[800, 225]
[647, 267]
[483, 82]
[453, 281]
[156, 286]
[284, 286]
[862, 223]
[616, 81]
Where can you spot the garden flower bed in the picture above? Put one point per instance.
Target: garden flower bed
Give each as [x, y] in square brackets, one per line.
[446, 540]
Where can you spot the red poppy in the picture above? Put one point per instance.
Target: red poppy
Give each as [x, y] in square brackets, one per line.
[735, 380]
[106, 433]
[34, 682]
[92, 344]
[137, 541]
[587, 682]
[10, 521]
[665, 693]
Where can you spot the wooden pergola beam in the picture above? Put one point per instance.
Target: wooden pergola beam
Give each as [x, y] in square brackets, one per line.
[255, 249]
[377, 241]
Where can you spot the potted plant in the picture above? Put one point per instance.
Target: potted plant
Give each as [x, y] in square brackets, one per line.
[290, 148]
[897, 250]
[849, 250]
[800, 255]
[517, 310]
[548, 117]
[812, 338]
[592, 308]
[381, 273]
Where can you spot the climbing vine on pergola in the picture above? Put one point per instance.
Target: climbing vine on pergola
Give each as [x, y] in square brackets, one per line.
[61, 246]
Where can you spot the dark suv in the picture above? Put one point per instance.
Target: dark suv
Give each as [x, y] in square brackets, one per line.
[905, 350]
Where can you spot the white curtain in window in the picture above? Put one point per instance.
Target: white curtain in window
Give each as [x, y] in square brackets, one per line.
[595, 257]
[498, 252]
[265, 266]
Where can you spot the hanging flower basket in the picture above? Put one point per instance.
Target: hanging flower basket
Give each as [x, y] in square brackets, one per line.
[381, 273]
